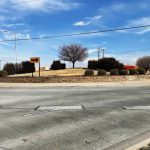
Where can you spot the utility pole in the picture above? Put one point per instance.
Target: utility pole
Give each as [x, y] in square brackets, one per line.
[103, 50]
[16, 46]
[0, 64]
[99, 53]
[15, 38]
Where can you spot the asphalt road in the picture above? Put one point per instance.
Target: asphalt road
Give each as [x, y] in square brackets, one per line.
[108, 115]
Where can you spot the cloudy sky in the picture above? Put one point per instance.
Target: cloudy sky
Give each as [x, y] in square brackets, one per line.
[56, 17]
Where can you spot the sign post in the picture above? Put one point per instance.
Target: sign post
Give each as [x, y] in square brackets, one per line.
[35, 60]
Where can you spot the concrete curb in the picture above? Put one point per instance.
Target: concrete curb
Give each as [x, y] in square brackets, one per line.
[139, 145]
[132, 143]
[90, 84]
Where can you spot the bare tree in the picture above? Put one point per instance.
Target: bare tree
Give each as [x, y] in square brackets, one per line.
[144, 62]
[73, 53]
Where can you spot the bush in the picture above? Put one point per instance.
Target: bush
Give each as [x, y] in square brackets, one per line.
[89, 72]
[144, 148]
[57, 65]
[123, 72]
[109, 64]
[114, 72]
[28, 67]
[102, 72]
[133, 72]
[92, 64]
[3, 74]
[63, 66]
[18, 68]
[141, 71]
[144, 62]
[10, 68]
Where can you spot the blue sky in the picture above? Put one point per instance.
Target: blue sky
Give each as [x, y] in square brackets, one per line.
[51, 17]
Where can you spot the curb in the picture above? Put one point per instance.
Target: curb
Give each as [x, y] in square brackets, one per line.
[89, 84]
[139, 145]
[132, 143]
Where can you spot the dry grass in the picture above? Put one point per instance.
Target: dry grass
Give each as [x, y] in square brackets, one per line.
[66, 72]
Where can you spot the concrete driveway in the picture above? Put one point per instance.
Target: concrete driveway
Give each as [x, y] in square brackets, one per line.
[93, 118]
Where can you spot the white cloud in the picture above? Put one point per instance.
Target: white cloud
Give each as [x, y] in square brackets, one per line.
[88, 21]
[81, 23]
[95, 50]
[2, 18]
[138, 22]
[9, 35]
[4, 43]
[12, 25]
[126, 7]
[128, 58]
[144, 31]
[29, 6]
[91, 51]
[94, 18]
[45, 5]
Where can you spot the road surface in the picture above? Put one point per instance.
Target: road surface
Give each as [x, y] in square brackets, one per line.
[72, 118]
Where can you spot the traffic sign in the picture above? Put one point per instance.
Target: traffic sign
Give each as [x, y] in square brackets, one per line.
[35, 60]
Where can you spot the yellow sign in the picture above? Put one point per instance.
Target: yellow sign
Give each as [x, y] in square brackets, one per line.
[35, 60]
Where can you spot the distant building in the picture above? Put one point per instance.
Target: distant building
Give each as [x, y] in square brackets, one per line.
[42, 68]
[127, 67]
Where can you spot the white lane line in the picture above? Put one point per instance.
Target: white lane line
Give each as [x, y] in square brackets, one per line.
[137, 107]
[145, 92]
[111, 93]
[60, 108]
[119, 100]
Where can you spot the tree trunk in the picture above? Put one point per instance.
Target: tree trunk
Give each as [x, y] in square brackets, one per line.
[73, 64]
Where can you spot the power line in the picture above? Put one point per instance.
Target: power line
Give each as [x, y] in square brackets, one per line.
[24, 2]
[77, 34]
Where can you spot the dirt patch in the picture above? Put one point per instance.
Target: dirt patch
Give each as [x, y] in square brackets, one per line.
[73, 79]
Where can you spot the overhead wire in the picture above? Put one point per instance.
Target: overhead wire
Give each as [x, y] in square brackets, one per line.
[77, 34]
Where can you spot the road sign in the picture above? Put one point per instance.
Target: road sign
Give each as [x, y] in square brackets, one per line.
[35, 60]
